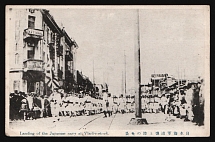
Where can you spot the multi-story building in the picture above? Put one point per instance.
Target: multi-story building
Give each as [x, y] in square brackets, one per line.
[41, 53]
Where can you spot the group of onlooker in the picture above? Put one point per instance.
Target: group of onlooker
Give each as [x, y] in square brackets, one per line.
[186, 103]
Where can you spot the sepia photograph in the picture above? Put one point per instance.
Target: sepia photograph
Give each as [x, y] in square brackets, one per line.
[137, 71]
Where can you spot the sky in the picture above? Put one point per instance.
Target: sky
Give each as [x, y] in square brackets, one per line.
[172, 41]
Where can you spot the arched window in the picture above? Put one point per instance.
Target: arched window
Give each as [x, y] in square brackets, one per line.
[16, 58]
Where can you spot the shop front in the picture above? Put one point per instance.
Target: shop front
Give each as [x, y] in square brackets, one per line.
[35, 82]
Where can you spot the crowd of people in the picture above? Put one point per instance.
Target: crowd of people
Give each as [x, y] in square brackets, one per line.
[32, 106]
[186, 103]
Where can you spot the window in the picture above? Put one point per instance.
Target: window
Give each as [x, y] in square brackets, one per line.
[16, 85]
[52, 37]
[47, 36]
[31, 22]
[16, 58]
[44, 29]
[16, 47]
[30, 53]
[44, 56]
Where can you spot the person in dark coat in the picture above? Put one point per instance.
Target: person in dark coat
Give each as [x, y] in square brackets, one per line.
[17, 105]
[12, 110]
[47, 108]
[196, 104]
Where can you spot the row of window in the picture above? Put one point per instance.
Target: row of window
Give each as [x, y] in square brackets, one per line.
[48, 34]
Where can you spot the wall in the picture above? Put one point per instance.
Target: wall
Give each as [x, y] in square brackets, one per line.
[17, 76]
[18, 48]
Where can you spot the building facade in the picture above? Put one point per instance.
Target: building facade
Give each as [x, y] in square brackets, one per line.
[42, 56]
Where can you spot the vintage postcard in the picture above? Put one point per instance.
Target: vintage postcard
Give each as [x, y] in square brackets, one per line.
[140, 71]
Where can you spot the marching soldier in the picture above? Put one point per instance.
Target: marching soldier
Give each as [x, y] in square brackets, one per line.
[105, 104]
[110, 108]
[121, 105]
[115, 106]
[55, 103]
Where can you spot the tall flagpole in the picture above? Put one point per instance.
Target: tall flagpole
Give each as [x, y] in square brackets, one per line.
[55, 58]
[122, 85]
[154, 85]
[107, 73]
[125, 71]
[137, 77]
[55, 53]
[94, 81]
[179, 81]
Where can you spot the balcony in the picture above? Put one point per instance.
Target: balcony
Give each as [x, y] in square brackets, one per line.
[33, 65]
[34, 34]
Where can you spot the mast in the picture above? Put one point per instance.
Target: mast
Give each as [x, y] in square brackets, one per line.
[107, 73]
[122, 85]
[154, 85]
[137, 75]
[178, 80]
[55, 54]
[94, 81]
[55, 59]
[125, 71]
[181, 76]
[184, 77]
[184, 73]
[93, 73]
